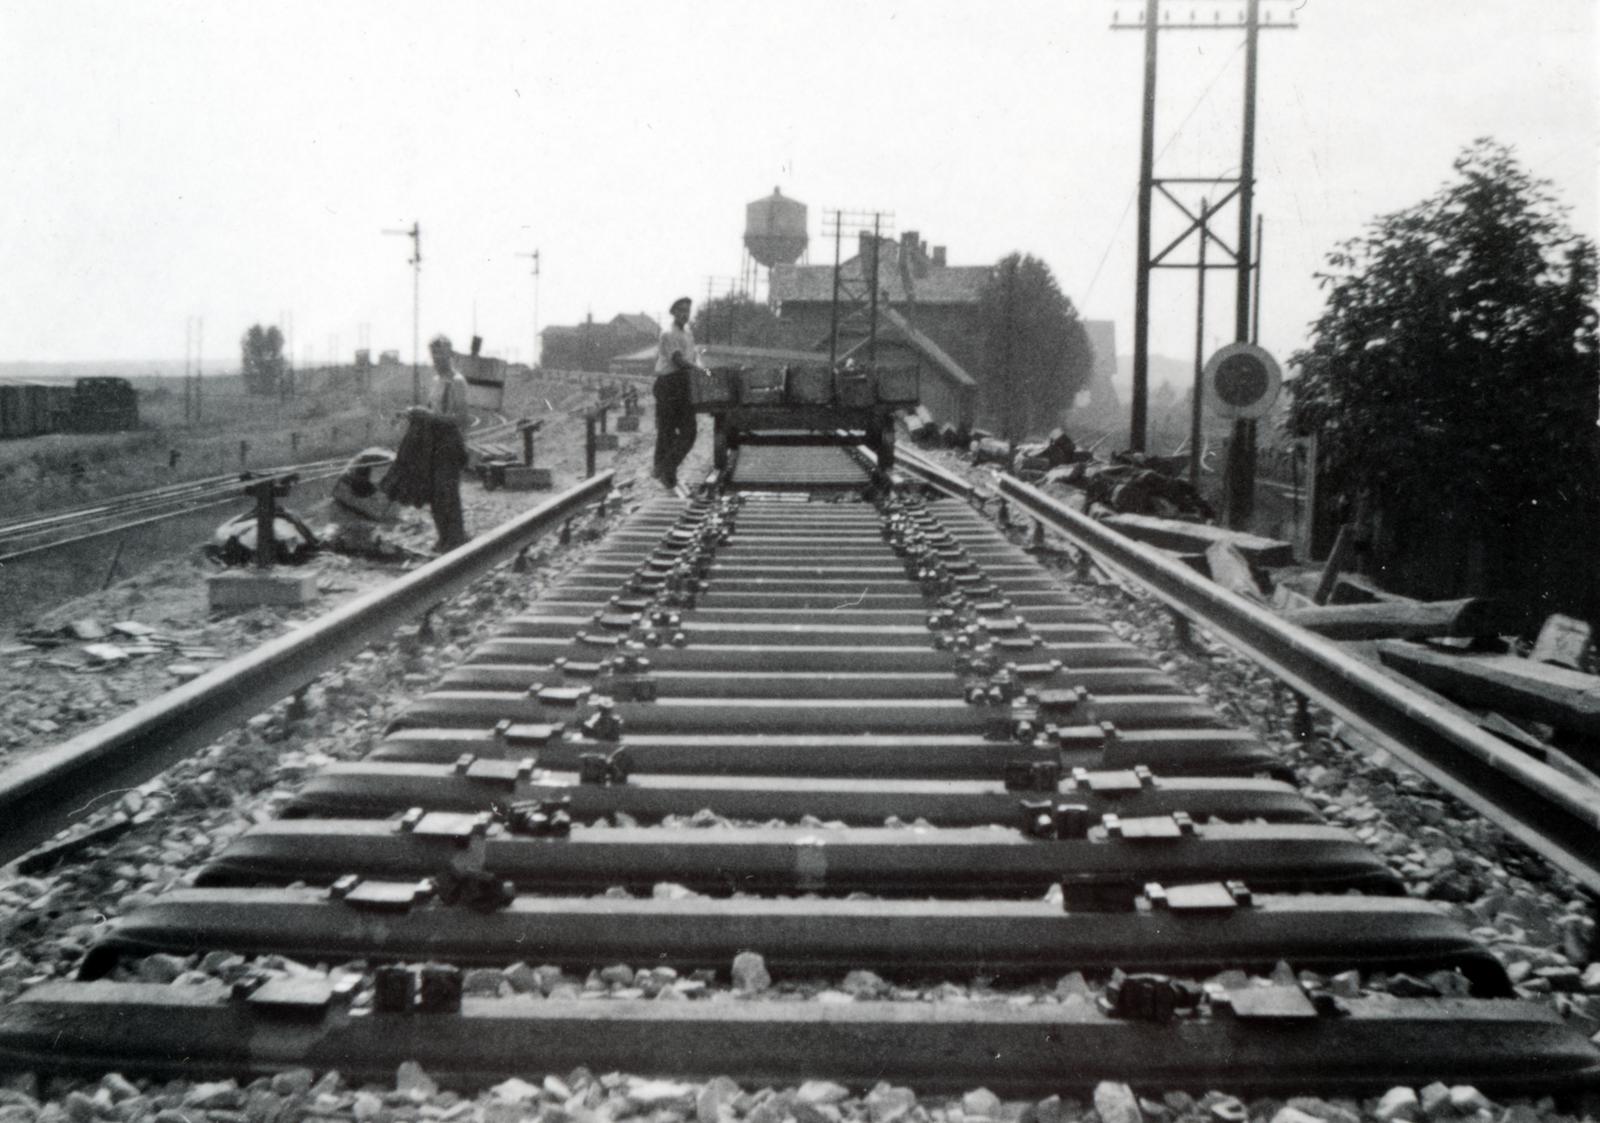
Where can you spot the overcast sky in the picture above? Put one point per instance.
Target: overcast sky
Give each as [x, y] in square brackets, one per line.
[239, 161]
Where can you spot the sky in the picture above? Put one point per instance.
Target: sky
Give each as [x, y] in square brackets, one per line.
[172, 162]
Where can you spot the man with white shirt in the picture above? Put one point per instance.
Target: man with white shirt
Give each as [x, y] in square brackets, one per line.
[676, 363]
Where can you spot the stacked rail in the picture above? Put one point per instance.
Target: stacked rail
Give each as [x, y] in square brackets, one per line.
[920, 755]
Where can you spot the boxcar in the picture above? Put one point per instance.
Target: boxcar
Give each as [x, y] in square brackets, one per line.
[104, 405]
[29, 409]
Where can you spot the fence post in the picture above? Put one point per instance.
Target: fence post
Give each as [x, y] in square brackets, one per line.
[588, 446]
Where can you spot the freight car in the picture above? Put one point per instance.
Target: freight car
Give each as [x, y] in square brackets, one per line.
[104, 405]
[28, 409]
[93, 405]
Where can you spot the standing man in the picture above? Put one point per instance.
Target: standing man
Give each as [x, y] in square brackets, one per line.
[448, 418]
[675, 421]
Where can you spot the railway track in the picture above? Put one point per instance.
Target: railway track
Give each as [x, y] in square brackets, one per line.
[850, 728]
[37, 535]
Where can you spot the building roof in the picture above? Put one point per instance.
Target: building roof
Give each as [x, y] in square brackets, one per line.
[930, 284]
[719, 353]
[637, 321]
[928, 348]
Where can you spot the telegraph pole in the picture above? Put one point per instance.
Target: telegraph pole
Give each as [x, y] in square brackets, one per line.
[715, 287]
[1239, 486]
[533, 356]
[1239, 476]
[199, 359]
[1141, 286]
[1196, 438]
[415, 234]
[859, 303]
[188, 351]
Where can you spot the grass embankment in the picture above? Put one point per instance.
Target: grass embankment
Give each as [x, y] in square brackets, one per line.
[333, 415]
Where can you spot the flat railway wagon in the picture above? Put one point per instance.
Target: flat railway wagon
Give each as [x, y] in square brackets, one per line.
[826, 711]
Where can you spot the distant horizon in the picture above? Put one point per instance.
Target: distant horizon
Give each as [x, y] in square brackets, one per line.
[1163, 368]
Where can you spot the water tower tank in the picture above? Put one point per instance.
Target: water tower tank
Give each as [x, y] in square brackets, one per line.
[775, 230]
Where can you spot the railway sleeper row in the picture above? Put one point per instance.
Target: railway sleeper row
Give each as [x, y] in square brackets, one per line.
[851, 736]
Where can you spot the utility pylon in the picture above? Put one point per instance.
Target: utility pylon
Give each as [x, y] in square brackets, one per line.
[533, 356]
[188, 353]
[855, 299]
[1240, 477]
[415, 234]
[715, 287]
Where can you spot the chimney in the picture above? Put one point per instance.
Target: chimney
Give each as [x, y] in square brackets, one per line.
[938, 256]
[477, 345]
[873, 252]
[908, 241]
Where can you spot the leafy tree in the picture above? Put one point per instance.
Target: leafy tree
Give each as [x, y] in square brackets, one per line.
[737, 320]
[1036, 354]
[1454, 367]
[262, 362]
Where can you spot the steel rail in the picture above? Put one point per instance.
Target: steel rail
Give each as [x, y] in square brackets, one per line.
[192, 506]
[63, 785]
[154, 497]
[186, 498]
[1534, 803]
[930, 473]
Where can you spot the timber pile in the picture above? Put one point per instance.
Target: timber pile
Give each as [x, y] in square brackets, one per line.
[1566, 699]
[1400, 619]
[1196, 538]
[1135, 484]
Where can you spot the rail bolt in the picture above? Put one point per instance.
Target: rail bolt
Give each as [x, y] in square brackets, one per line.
[1032, 775]
[1038, 818]
[439, 989]
[1073, 820]
[1150, 998]
[394, 989]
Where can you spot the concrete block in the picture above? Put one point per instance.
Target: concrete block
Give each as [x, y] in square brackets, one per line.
[605, 442]
[521, 478]
[628, 423]
[246, 588]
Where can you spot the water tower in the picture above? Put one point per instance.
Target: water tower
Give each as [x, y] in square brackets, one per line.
[774, 234]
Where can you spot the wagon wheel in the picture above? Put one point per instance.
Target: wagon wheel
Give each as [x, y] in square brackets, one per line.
[883, 443]
[719, 443]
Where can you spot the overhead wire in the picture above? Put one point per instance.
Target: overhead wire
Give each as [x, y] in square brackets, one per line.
[1133, 196]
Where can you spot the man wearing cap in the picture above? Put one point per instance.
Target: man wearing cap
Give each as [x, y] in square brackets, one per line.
[427, 466]
[675, 422]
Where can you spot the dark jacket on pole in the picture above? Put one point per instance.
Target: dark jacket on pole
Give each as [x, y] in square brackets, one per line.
[431, 444]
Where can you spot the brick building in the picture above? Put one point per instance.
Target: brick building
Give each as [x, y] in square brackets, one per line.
[591, 346]
[927, 314]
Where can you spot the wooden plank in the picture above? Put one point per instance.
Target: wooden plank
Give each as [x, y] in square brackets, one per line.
[1232, 570]
[1473, 616]
[1196, 538]
[1565, 699]
[1338, 559]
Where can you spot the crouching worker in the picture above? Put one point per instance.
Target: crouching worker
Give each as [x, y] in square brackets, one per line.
[427, 468]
